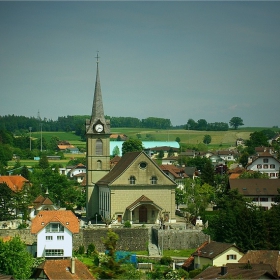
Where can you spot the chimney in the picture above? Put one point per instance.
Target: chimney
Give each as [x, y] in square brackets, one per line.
[223, 270]
[73, 263]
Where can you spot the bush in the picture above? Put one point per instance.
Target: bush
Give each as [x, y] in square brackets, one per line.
[127, 224]
[166, 260]
[81, 250]
[90, 249]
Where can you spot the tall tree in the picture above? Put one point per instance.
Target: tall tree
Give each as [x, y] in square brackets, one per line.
[208, 173]
[132, 145]
[235, 122]
[14, 259]
[207, 139]
[6, 202]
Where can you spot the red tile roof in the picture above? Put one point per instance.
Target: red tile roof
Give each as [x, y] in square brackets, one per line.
[61, 269]
[14, 182]
[65, 217]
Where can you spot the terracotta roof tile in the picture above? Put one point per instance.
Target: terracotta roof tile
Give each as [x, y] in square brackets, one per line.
[14, 182]
[61, 269]
[65, 217]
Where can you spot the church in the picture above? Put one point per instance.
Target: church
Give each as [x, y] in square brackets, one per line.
[135, 189]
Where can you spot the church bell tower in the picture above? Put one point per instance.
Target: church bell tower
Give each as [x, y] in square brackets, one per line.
[98, 148]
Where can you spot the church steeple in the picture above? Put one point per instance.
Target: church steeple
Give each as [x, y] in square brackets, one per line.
[97, 114]
[97, 107]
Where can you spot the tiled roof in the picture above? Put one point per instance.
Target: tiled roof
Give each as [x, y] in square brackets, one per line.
[213, 249]
[64, 147]
[255, 186]
[40, 200]
[61, 269]
[65, 217]
[141, 199]
[14, 182]
[174, 170]
[271, 257]
[238, 271]
[119, 168]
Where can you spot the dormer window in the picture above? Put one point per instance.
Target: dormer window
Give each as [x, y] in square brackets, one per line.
[132, 180]
[54, 227]
[154, 180]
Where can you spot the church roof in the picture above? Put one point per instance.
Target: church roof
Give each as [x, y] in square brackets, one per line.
[14, 182]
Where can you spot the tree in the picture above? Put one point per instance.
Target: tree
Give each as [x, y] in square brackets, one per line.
[111, 269]
[235, 122]
[14, 259]
[178, 139]
[207, 139]
[257, 139]
[6, 202]
[43, 162]
[208, 173]
[132, 145]
[116, 151]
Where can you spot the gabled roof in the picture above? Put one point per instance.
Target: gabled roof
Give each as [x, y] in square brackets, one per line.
[125, 162]
[238, 271]
[213, 249]
[64, 217]
[174, 170]
[255, 186]
[271, 257]
[142, 200]
[61, 269]
[14, 182]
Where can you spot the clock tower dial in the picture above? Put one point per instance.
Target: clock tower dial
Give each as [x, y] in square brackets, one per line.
[99, 128]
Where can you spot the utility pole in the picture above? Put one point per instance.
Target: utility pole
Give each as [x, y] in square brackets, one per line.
[30, 128]
[41, 136]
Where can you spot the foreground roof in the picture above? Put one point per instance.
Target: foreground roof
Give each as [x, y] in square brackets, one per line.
[61, 269]
[65, 217]
[238, 271]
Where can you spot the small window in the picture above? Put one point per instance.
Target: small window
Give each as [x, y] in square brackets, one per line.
[49, 237]
[272, 165]
[231, 257]
[143, 165]
[265, 166]
[259, 166]
[60, 237]
[265, 160]
[272, 174]
[132, 180]
[54, 252]
[264, 199]
[256, 199]
[154, 180]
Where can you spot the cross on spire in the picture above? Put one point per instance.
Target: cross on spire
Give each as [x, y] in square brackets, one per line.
[97, 57]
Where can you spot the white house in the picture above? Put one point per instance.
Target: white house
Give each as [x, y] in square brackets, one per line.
[77, 170]
[54, 230]
[226, 155]
[262, 192]
[265, 163]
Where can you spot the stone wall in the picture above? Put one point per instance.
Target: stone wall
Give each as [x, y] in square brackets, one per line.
[133, 239]
[176, 239]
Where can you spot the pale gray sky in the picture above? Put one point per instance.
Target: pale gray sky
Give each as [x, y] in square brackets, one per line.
[176, 60]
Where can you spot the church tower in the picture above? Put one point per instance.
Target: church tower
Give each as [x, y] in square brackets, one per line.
[98, 148]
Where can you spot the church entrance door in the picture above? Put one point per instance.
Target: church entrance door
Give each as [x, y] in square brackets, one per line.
[143, 214]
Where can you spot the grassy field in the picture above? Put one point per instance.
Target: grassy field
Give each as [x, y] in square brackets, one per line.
[188, 137]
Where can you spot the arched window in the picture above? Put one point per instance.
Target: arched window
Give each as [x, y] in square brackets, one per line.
[132, 180]
[99, 147]
[99, 165]
[154, 180]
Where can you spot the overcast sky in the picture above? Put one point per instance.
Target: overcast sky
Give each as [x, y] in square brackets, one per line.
[175, 60]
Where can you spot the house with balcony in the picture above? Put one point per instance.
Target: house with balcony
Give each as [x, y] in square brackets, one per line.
[265, 162]
[262, 192]
[54, 231]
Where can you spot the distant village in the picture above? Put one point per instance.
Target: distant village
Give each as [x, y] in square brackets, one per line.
[131, 192]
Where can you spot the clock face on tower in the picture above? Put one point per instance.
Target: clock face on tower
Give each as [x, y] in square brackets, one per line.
[99, 127]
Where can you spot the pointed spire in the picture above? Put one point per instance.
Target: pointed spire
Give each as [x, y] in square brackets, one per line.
[97, 107]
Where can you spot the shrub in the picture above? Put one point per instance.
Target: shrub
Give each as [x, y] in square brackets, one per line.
[81, 250]
[127, 224]
[90, 249]
[166, 260]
